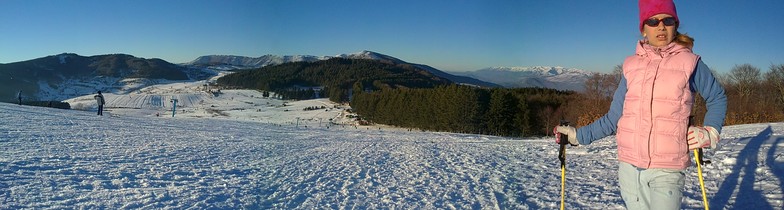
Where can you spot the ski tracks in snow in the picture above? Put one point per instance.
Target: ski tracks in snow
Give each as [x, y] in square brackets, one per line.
[57, 159]
[415, 170]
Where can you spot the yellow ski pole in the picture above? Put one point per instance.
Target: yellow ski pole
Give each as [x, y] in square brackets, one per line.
[562, 156]
[562, 140]
[698, 159]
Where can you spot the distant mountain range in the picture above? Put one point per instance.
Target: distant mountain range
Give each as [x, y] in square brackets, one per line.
[234, 62]
[66, 75]
[558, 78]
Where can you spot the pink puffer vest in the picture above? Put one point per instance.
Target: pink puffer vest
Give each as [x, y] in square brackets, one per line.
[652, 130]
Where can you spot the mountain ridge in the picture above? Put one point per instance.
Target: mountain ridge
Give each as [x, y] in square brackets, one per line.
[270, 59]
[559, 78]
[41, 78]
[68, 74]
[230, 62]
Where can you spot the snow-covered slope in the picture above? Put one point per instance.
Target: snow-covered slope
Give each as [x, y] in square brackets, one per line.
[559, 78]
[75, 87]
[54, 159]
[199, 100]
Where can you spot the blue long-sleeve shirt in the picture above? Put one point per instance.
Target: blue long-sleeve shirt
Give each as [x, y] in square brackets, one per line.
[701, 81]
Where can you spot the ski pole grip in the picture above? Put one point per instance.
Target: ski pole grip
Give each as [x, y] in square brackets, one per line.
[700, 156]
[563, 139]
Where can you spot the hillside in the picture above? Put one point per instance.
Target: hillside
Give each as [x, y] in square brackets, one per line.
[338, 74]
[73, 75]
[55, 159]
[230, 62]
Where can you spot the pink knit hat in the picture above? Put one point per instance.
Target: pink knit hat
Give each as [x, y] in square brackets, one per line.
[650, 8]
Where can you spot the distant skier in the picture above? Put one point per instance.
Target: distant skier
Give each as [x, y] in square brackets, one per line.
[19, 96]
[100, 101]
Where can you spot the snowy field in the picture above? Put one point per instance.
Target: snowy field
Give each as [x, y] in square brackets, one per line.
[55, 158]
[197, 100]
[236, 151]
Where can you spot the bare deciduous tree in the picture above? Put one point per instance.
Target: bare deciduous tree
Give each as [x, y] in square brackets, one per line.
[603, 85]
[775, 78]
[745, 77]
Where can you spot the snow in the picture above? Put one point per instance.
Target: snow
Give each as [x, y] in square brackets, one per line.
[559, 78]
[73, 87]
[240, 150]
[230, 62]
[62, 58]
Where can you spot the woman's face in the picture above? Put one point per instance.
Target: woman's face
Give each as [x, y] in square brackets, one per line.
[660, 35]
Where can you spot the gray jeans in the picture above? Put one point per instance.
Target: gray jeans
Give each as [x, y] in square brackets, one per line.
[651, 188]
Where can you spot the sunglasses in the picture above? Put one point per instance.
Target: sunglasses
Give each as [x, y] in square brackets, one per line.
[668, 21]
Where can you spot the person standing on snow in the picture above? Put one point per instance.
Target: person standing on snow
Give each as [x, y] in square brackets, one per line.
[19, 96]
[100, 101]
[650, 110]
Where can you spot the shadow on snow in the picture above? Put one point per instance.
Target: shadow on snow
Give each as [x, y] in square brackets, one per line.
[744, 172]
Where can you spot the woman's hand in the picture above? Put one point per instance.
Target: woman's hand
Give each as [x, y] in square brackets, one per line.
[701, 137]
[569, 131]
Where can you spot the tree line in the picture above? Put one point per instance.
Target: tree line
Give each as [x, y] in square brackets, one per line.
[754, 96]
[462, 109]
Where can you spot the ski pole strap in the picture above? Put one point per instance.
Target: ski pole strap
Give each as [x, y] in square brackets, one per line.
[701, 158]
[562, 155]
[563, 140]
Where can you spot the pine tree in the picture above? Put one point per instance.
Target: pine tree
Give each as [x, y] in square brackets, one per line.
[501, 113]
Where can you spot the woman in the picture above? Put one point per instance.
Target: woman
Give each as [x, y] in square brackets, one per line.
[650, 110]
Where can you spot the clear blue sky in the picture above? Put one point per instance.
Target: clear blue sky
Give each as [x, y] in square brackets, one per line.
[449, 35]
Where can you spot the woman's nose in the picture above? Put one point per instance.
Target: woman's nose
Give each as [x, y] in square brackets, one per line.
[661, 26]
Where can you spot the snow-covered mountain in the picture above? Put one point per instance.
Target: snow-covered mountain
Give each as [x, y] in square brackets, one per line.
[68, 75]
[230, 62]
[372, 56]
[244, 62]
[559, 78]
[454, 78]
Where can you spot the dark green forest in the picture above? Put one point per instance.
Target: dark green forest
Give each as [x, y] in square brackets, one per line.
[338, 76]
[464, 109]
